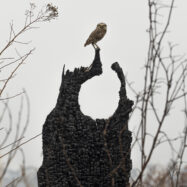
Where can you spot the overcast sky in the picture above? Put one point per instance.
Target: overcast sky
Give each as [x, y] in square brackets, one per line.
[61, 42]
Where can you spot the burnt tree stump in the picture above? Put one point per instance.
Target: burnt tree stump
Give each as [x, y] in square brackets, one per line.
[80, 151]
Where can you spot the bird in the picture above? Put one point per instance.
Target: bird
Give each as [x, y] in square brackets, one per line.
[96, 35]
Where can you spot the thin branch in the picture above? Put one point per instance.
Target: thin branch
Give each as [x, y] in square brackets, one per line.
[11, 75]
[20, 145]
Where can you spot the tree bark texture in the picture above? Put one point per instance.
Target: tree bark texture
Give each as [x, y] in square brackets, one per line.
[80, 151]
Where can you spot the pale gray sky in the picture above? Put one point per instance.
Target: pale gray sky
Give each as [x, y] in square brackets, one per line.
[61, 42]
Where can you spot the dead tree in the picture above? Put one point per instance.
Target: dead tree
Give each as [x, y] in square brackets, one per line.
[80, 151]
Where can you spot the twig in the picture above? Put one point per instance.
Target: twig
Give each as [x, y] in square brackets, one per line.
[20, 145]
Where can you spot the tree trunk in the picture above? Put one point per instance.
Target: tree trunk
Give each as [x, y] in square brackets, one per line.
[80, 151]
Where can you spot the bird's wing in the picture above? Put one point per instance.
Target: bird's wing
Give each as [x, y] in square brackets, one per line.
[91, 38]
[100, 34]
[95, 36]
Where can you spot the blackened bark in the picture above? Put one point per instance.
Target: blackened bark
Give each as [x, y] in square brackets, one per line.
[80, 151]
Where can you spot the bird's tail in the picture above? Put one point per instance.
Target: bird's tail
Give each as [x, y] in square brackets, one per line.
[87, 42]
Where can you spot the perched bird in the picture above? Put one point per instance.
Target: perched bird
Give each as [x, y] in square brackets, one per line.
[96, 35]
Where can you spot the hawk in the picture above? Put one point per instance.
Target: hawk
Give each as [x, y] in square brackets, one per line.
[96, 35]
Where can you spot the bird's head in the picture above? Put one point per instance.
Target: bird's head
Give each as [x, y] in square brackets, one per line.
[102, 25]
